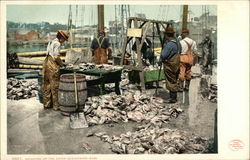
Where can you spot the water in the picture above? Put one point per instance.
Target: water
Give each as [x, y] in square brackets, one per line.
[36, 47]
[27, 48]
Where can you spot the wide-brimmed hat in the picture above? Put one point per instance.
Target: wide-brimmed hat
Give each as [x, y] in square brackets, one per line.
[63, 34]
[185, 31]
[169, 30]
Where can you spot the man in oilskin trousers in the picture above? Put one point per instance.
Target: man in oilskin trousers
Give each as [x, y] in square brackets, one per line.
[51, 71]
[100, 47]
[171, 62]
[187, 60]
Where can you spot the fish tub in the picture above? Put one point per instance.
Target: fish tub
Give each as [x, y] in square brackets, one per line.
[149, 76]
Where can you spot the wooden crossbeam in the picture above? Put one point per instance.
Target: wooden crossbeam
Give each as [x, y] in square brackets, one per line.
[159, 33]
[146, 20]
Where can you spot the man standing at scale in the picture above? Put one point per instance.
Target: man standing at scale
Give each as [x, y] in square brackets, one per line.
[51, 71]
[100, 48]
[170, 58]
[189, 48]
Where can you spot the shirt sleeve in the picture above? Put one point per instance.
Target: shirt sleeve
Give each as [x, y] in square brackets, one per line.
[180, 47]
[194, 46]
[166, 51]
[56, 49]
[183, 46]
[106, 43]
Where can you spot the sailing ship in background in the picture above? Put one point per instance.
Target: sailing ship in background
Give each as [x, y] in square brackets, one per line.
[81, 34]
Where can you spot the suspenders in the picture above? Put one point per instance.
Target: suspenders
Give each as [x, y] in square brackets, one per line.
[189, 45]
[49, 48]
[100, 44]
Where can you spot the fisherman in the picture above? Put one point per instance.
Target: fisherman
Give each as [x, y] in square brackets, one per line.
[189, 49]
[206, 45]
[146, 51]
[171, 60]
[100, 48]
[51, 71]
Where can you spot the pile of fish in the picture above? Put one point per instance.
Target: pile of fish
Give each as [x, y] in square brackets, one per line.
[82, 66]
[209, 88]
[88, 66]
[124, 83]
[124, 80]
[213, 93]
[133, 106]
[21, 89]
[108, 67]
[150, 139]
[88, 78]
[151, 67]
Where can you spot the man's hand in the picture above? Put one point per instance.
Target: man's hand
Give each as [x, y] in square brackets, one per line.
[64, 65]
[70, 66]
[59, 61]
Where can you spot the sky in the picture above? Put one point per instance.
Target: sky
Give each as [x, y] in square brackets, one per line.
[87, 14]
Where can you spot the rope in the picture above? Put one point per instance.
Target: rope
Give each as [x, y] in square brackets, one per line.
[153, 46]
[76, 17]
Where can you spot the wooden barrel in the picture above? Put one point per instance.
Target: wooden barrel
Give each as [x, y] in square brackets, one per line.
[66, 92]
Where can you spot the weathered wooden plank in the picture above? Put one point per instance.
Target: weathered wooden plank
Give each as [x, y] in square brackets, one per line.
[164, 27]
[25, 60]
[42, 53]
[12, 71]
[30, 66]
[146, 20]
[43, 58]
[138, 51]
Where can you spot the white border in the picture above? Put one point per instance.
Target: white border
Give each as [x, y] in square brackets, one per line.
[233, 79]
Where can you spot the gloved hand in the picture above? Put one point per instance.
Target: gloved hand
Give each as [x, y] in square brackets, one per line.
[59, 61]
[70, 66]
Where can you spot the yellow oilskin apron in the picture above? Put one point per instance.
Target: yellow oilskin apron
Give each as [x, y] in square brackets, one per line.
[51, 77]
[100, 54]
[171, 69]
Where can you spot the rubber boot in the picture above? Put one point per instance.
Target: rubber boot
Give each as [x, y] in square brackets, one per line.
[173, 97]
[180, 86]
[187, 83]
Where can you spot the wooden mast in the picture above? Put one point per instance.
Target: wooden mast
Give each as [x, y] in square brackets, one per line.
[184, 17]
[100, 9]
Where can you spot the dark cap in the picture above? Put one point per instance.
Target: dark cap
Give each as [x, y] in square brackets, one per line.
[185, 31]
